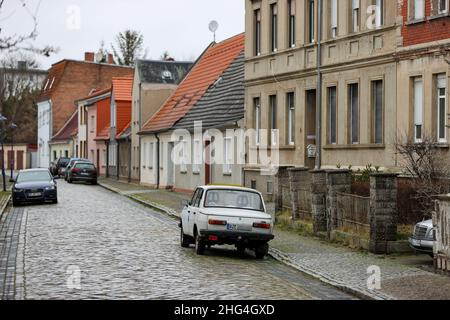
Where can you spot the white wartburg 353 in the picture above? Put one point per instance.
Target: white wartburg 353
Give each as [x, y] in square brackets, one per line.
[219, 215]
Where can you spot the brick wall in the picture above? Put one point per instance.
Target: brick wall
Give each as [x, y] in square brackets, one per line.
[426, 31]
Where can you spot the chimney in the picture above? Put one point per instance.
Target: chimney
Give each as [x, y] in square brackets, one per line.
[89, 56]
[111, 59]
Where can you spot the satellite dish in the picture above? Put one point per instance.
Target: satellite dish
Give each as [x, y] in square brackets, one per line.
[213, 26]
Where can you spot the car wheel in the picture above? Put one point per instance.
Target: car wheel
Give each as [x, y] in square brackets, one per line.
[184, 240]
[262, 251]
[241, 248]
[55, 201]
[94, 183]
[16, 203]
[199, 245]
[69, 180]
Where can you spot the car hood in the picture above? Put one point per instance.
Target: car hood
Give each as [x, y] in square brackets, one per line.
[229, 212]
[34, 185]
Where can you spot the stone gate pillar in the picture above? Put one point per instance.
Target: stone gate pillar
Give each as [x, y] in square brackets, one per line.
[337, 181]
[281, 180]
[298, 180]
[318, 197]
[383, 212]
[441, 223]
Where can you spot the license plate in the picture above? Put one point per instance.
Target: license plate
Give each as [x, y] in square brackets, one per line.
[35, 194]
[232, 227]
[84, 174]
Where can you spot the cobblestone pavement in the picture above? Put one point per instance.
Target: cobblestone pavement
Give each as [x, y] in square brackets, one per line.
[122, 250]
[401, 276]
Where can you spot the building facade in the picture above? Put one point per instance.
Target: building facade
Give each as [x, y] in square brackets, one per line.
[347, 79]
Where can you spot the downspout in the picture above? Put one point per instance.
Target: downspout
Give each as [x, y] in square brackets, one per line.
[157, 160]
[319, 89]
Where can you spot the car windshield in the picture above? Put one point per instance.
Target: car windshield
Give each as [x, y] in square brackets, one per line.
[33, 176]
[84, 166]
[63, 162]
[235, 199]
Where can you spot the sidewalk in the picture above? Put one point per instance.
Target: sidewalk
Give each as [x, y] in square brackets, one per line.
[402, 276]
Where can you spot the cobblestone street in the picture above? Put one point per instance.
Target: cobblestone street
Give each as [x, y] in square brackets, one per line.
[123, 250]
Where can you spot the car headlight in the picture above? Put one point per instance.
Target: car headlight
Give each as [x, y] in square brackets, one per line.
[431, 234]
[50, 188]
[17, 190]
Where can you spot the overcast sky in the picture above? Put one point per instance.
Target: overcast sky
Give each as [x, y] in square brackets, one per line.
[76, 26]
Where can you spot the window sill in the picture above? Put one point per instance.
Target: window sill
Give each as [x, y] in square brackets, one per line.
[227, 174]
[183, 172]
[438, 16]
[354, 146]
[196, 173]
[287, 147]
[415, 21]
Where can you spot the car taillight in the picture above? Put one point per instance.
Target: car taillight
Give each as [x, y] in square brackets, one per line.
[217, 222]
[76, 170]
[261, 225]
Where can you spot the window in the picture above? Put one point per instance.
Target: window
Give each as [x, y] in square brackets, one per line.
[290, 118]
[417, 9]
[150, 155]
[311, 33]
[333, 18]
[253, 184]
[257, 106]
[332, 111]
[418, 109]
[183, 156]
[228, 155]
[273, 119]
[92, 124]
[144, 155]
[197, 156]
[377, 112]
[292, 23]
[112, 154]
[55, 155]
[274, 26]
[356, 15]
[104, 157]
[269, 187]
[161, 156]
[257, 17]
[113, 115]
[442, 108]
[379, 17]
[354, 113]
[66, 153]
[442, 6]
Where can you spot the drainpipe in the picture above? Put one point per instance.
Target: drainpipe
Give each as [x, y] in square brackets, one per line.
[157, 161]
[319, 88]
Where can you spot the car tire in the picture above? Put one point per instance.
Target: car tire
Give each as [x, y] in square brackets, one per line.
[94, 183]
[185, 242]
[55, 201]
[241, 248]
[261, 251]
[200, 245]
[69, 180]
[16, 204]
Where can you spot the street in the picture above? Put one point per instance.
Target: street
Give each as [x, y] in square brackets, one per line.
[98, 245]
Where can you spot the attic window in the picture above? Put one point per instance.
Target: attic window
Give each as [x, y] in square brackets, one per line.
[46, 85]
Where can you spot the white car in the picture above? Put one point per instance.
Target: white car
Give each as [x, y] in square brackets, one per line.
[227, 216]
[423, 238]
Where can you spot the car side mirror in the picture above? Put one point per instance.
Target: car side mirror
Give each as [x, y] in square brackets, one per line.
[185, 203]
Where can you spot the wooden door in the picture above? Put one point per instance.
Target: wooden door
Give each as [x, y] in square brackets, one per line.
[20, 164]
[10, 162]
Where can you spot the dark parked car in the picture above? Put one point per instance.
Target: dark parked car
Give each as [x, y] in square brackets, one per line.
[83, 171]
[34, 186]
[70, 165]
[57, 166]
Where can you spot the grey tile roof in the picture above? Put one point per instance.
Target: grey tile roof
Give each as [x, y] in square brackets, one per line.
[223, 102]
[170, 72]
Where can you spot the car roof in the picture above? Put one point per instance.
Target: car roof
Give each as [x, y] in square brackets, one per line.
[34, 170]
[224, 187]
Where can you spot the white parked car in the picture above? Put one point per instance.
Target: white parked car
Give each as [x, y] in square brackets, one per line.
[423, 238]
[227, 216]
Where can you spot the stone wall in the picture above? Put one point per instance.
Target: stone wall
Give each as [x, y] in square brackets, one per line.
[441, 223]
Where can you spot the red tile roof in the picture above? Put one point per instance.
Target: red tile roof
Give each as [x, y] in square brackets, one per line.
[122, 88]
[68, 130]
[124, 131]
[209, 67]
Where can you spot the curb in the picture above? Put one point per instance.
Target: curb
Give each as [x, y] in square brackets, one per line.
[361, 294]
[3, 208]
[274, 253]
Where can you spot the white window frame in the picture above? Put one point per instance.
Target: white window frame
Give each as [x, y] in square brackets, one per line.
[418, 93]
[379, 17]
[274, 26]
[355, 15]
[334, 18]
[291, 118]
[292, 22]
[442, 10]
[196, 166]
[228, 155]
[441, 84]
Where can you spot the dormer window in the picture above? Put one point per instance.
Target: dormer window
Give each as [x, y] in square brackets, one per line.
[167, 75]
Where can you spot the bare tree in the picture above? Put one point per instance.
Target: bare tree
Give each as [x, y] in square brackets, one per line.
[129, 47]
[427, 165]
[22, 42]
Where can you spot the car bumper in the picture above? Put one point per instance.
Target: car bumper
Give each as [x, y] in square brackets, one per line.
[21, 197]
[84, 178]
[236, 237]
[421, 245]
